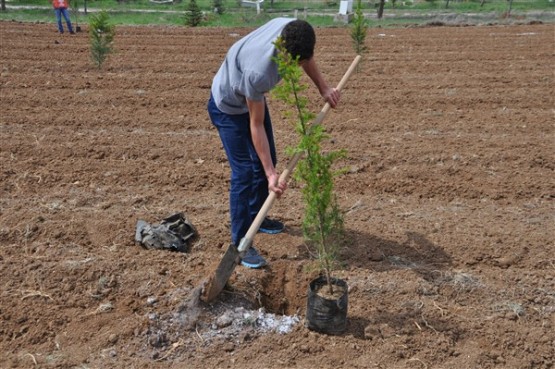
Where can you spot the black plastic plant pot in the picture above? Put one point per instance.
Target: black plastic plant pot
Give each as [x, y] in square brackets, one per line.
[323, 314]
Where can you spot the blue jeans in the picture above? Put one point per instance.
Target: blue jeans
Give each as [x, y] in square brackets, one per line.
[59, 12]
[249, 186]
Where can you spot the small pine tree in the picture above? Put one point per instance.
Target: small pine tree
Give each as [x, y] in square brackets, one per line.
[219, 6]
[323, 222]
[194, 15]
[359, 29]
[101, 35]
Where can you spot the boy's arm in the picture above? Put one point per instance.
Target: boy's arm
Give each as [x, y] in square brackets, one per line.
[262, 146]
[330, 95]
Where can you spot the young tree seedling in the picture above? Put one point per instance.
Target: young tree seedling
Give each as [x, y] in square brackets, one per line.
[323, 222]
[101, 35]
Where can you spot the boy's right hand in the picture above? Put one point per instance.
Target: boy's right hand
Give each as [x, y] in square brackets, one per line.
[275, 185]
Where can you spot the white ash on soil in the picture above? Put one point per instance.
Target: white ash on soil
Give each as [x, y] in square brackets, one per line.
[232, 320]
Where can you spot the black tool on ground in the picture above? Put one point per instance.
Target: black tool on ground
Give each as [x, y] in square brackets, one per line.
[174, 233]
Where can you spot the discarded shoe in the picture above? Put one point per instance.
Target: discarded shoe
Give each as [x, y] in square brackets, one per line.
[271, 226]
[252, 259]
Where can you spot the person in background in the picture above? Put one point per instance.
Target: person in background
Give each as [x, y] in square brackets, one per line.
[237, 108]
[60, 8]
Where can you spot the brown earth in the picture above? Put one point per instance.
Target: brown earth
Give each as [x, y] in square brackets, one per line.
[448, 204]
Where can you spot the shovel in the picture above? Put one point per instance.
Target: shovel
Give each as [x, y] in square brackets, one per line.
[233, 255]
[76, 11]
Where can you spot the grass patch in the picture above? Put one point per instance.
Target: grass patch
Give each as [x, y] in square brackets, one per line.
[320, 13]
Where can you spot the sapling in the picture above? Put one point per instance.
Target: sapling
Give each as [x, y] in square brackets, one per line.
[193, 16]
[219, 6]
[358, 30]
[101, 35]
[322, 222]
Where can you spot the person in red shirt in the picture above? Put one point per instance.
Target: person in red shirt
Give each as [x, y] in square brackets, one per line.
[60, 7]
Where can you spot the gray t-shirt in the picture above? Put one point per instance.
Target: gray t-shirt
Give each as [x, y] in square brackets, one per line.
[248, 70]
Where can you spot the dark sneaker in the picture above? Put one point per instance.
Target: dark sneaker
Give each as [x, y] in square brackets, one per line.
[252, 259]
[271, 226]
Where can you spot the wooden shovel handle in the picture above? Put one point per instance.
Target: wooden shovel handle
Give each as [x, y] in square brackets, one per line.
[246, 242]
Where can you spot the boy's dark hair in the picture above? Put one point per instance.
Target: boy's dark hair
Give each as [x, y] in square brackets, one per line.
[299, 39]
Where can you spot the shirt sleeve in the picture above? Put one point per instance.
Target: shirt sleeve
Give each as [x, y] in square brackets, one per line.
[254, 85]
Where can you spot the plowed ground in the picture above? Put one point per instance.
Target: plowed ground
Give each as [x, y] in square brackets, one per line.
[448, 203]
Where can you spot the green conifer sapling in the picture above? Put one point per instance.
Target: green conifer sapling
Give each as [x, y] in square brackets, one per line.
[101, 36]
[322, 223]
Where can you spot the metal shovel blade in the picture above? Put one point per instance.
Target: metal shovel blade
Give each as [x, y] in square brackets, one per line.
[223, 272]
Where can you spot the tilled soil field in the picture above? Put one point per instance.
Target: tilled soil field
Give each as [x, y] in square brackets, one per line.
[447, 199]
